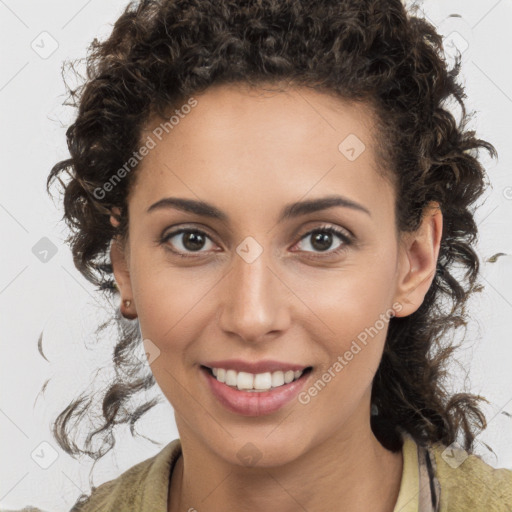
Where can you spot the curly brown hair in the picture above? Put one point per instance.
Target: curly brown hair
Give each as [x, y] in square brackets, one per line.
[375, 52]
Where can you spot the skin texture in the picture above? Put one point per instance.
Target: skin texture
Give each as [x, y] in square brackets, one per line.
[250, 152]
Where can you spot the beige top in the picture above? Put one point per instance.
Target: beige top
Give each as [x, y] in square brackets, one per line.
[434, 479]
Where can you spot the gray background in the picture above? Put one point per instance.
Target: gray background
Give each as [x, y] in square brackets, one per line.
[43, 291]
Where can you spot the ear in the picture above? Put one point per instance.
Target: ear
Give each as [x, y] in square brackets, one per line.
[120, 266]
[418, 260]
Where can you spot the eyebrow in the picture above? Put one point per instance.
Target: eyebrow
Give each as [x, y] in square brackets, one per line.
[290, 211]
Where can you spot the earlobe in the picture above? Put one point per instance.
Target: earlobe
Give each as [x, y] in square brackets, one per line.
[121, 271]
[418, 262]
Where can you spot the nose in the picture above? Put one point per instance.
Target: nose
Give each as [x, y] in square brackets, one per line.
[254, 301]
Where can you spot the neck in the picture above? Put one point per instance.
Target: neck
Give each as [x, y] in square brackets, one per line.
[352, 472]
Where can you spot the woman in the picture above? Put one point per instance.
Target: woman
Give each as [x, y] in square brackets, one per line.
[281, 201]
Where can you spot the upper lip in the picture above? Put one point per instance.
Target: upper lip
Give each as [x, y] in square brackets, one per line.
[254, 367]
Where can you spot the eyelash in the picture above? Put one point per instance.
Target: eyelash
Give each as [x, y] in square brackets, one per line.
[346, 239]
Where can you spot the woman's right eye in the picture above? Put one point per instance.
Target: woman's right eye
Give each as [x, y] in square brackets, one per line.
[187, 240]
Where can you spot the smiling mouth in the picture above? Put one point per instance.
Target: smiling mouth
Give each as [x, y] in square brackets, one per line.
[260, 382]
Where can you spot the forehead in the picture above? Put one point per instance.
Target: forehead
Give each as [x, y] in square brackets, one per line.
[242, 145]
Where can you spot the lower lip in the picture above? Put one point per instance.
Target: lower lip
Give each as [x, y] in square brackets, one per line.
[257, 403]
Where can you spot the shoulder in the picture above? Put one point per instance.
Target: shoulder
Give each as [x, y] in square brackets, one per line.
[143, 486]
[467, 482]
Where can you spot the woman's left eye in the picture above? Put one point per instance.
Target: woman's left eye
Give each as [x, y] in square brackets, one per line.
[194, 240]
[321, 239]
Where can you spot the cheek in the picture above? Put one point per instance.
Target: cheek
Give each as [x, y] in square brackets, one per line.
[356, 307]
[356, 335]
[170, 301]
[352, 299]
[352, 310]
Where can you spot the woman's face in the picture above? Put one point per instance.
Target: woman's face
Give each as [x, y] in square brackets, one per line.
[255, 283]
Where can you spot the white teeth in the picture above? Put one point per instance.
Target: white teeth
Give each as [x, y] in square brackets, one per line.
[255, 382]
[244, 380]
[231, 378]
[289, 376]
[277, 379]
[263, 381]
